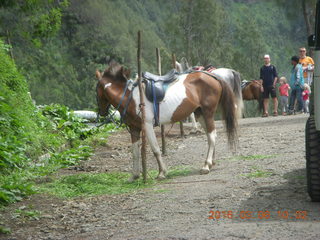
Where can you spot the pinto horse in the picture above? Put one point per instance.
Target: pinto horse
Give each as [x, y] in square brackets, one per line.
[252, 91]
[194, 92]
[228, 75]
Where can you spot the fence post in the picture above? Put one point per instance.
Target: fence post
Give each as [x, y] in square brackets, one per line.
[143, 116]
[163, 138]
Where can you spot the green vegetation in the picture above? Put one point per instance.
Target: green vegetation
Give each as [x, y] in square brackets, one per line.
[179, 171]
[27, 132]
[250, 157]
[5, 230]
[257, 173]
[59, 65]
[27, 214]
[55, 47]
[88, 184]
[247, 158]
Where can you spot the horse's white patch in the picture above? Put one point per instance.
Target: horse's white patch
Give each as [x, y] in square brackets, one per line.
[175, 94]
[211, 151]
[107, 85]
[174, 97]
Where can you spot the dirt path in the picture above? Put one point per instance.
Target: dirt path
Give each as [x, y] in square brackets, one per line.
[267, 175]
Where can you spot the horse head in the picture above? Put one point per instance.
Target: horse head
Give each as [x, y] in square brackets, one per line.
[110, 83]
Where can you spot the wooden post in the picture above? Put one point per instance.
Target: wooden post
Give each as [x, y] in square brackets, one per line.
[174, 66]
[143, 116]
[163, 138]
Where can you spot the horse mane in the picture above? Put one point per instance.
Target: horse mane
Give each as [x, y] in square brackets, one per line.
[117, 72]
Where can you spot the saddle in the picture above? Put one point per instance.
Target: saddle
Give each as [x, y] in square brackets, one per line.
[169, 77]
[156, 87]
[244, 83]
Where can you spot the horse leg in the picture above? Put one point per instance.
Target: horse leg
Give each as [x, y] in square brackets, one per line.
[194, 123]
[156, 150]
[135, 139]
[207, 123]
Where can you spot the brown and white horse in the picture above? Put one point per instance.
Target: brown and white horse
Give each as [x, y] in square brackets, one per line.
[252, 91]
[195, 92]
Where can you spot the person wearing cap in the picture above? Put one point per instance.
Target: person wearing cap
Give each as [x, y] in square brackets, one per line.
[269, 76]
[296, 84]
[307, 65]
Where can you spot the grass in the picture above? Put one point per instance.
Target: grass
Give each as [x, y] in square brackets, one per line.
[27, 214]
[90, 184]
[257, 173]
[179, 171]
[249, 157]
[5, 230]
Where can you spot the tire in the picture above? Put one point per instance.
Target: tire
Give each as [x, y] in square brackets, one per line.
[313, 159]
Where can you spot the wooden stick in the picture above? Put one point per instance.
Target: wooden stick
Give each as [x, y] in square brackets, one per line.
[143, 115]
[181, 123]
[163, 138]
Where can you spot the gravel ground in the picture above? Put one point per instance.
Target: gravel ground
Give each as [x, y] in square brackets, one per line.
[259, 193]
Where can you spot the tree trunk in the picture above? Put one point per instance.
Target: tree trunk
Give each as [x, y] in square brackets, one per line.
[307, 21]
[189, 31]
[9, 42]
[306, 17]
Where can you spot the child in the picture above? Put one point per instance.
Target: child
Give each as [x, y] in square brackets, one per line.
[305, 98]
[284, 95]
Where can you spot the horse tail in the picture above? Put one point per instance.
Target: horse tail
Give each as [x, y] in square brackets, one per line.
[238, 92]
[227, 105]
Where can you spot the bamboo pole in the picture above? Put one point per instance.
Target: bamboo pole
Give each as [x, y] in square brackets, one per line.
[163, 138]
[181, 123]
[143, 116]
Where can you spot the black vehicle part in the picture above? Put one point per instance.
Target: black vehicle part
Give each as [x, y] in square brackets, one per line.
[313, 159]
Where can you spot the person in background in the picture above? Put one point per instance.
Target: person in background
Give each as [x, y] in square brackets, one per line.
[307, 65]
[305, 98]
[269, 76]
[296, 84]
[284, 95]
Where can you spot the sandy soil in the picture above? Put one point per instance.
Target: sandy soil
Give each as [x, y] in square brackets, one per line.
[274, 206]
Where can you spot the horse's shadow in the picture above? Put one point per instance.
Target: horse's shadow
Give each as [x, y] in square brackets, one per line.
[287, 201]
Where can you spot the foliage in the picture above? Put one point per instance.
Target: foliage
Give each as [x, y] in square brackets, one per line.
[63, 120]
[199, 32]
[5, 230]
[27, 214]
[38, 19]
[84, 35]
[71, 156]
[88, 184]
[26, 132]
[258, 173]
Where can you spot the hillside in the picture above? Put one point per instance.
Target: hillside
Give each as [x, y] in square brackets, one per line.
[59, 66]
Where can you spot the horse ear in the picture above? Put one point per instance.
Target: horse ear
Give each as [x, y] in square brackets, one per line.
[98, 74]
[113, 68]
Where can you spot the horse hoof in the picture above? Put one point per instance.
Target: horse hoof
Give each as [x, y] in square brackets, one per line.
[133, 178]
[161, 177]
[204, 171]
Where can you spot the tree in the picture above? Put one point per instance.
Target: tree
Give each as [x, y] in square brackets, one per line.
[197, 31]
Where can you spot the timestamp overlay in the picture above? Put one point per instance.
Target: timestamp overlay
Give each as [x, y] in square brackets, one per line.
[264, 215]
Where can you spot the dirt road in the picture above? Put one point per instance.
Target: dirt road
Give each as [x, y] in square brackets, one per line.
[258, 194]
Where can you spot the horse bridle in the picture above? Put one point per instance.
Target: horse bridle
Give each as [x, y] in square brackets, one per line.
[110, 118]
